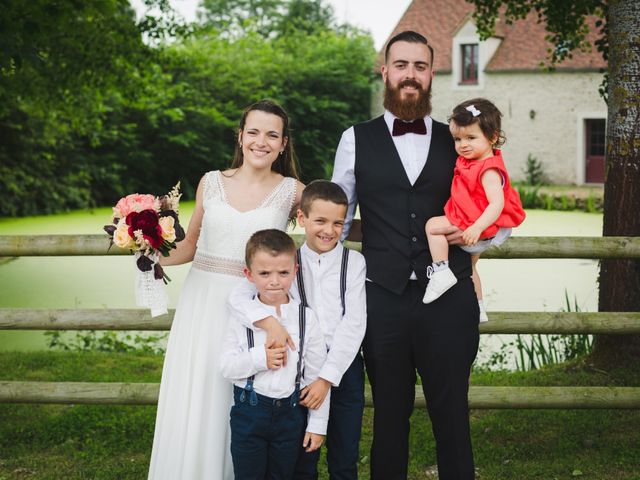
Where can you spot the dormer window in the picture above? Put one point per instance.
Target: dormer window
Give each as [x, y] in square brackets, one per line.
[469, 57]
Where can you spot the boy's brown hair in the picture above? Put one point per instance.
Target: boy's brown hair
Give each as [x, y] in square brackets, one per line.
[272, 241]
[322, 190]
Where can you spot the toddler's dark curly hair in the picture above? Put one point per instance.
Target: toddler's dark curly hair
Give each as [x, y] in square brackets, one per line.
[486, 115]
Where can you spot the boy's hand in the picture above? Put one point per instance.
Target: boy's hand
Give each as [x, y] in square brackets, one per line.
[275, 355]
[313, 395]
[471, 235]
[312, 441]
[277, 335]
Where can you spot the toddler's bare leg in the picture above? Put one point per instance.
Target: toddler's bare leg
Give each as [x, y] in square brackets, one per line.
[477, 285]
[438, 245]
[478, 288]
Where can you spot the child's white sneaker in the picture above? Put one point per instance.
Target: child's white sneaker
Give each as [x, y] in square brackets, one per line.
[483, 312]
[439, 282]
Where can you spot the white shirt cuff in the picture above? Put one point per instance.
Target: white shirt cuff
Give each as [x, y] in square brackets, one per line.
[330, 374]
[316, 425]
[259, 357]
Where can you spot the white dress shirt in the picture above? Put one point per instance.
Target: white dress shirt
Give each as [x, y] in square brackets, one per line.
[238, 362]
[413, 150]
[321, 273]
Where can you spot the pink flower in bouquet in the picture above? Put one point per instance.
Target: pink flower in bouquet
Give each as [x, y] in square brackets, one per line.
[135, 202]
[147, 222]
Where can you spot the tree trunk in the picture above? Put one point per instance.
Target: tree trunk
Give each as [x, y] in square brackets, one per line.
[620, 279]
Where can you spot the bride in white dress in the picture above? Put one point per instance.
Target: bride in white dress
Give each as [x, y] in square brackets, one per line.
[260, 191]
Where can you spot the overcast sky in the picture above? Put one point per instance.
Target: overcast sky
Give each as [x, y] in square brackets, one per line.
[377, 16]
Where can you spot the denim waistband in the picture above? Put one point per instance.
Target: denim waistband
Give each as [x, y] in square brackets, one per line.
[263, 400]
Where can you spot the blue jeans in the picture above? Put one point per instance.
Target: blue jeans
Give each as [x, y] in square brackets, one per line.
[343, 430]
[265, 438]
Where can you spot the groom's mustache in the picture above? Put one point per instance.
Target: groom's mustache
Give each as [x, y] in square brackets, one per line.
[409, 83]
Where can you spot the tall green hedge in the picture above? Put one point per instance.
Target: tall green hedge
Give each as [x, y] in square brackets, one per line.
[97, 112]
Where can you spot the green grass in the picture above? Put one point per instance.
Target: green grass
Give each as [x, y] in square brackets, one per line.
[114, 442]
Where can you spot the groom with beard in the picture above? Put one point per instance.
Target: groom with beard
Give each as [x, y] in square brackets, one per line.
[398, 168]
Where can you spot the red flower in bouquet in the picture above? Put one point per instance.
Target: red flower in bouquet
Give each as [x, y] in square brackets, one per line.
[146, 222]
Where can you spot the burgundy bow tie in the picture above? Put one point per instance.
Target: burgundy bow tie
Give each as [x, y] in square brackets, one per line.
[417, 126]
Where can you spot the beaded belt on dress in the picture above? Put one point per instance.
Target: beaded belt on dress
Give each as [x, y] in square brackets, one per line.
[212, 263]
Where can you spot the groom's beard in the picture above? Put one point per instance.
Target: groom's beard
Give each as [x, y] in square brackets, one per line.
[410, 108]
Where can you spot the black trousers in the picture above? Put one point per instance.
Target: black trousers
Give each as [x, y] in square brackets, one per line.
[440, 342]
[343, 430]
[266, 437]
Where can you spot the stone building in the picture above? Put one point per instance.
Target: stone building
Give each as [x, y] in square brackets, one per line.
[557, 117]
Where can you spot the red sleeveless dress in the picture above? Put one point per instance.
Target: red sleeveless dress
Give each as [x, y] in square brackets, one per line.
[468, 200]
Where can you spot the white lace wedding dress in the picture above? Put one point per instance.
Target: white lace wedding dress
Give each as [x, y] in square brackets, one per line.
[192, 437]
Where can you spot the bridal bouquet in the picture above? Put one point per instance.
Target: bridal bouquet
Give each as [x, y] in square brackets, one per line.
[149, 226]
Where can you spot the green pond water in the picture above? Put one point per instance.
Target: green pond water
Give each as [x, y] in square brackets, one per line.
[101, 282]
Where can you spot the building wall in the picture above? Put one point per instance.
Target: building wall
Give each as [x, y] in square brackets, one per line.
[559, 103]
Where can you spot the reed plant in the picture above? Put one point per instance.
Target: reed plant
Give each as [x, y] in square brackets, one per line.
[536, 351]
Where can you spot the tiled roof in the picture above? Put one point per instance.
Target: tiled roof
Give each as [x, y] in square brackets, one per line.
[524, 47]
[523, 44]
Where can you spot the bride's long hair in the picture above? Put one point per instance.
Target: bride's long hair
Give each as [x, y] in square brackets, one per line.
[286, 164]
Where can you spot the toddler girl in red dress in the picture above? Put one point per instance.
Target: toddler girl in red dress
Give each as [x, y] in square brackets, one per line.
[483, 204]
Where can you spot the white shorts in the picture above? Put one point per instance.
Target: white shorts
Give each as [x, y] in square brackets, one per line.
[482, 245]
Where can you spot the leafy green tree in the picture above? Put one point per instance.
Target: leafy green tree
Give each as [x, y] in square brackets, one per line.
[268, 18]
[619, 42]
[238, 17]
[107, 107]
[61, 66]
[323, 80]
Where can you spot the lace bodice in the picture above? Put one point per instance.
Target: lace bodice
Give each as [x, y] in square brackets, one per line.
[225, 230]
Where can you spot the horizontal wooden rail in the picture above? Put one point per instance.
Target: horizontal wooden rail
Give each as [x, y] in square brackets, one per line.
[140, 319]
[479, 397]
[516, 247]
[83, 319]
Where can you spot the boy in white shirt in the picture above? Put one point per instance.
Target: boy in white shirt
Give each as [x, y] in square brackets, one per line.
[267, 421]
[331, 281]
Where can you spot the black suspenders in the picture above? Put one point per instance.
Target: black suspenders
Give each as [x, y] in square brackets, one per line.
[343, 279]
[302, 324]
[300, 279]
[248, 388]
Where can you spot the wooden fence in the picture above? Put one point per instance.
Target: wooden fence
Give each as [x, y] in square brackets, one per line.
[479, 397]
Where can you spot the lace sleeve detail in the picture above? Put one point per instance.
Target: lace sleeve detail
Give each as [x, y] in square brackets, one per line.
[211, 186]
[284, 196]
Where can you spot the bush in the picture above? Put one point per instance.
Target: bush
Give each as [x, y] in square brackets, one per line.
[533, 171]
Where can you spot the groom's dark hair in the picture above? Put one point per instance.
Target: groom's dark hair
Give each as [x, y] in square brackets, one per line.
[322, 190]
[272, 241]
[411, 37]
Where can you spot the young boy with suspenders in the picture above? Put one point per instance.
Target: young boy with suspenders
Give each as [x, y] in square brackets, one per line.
[330, 280]
[267, 420]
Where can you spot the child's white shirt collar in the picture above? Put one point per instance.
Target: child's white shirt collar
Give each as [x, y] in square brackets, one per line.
[314, 256]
